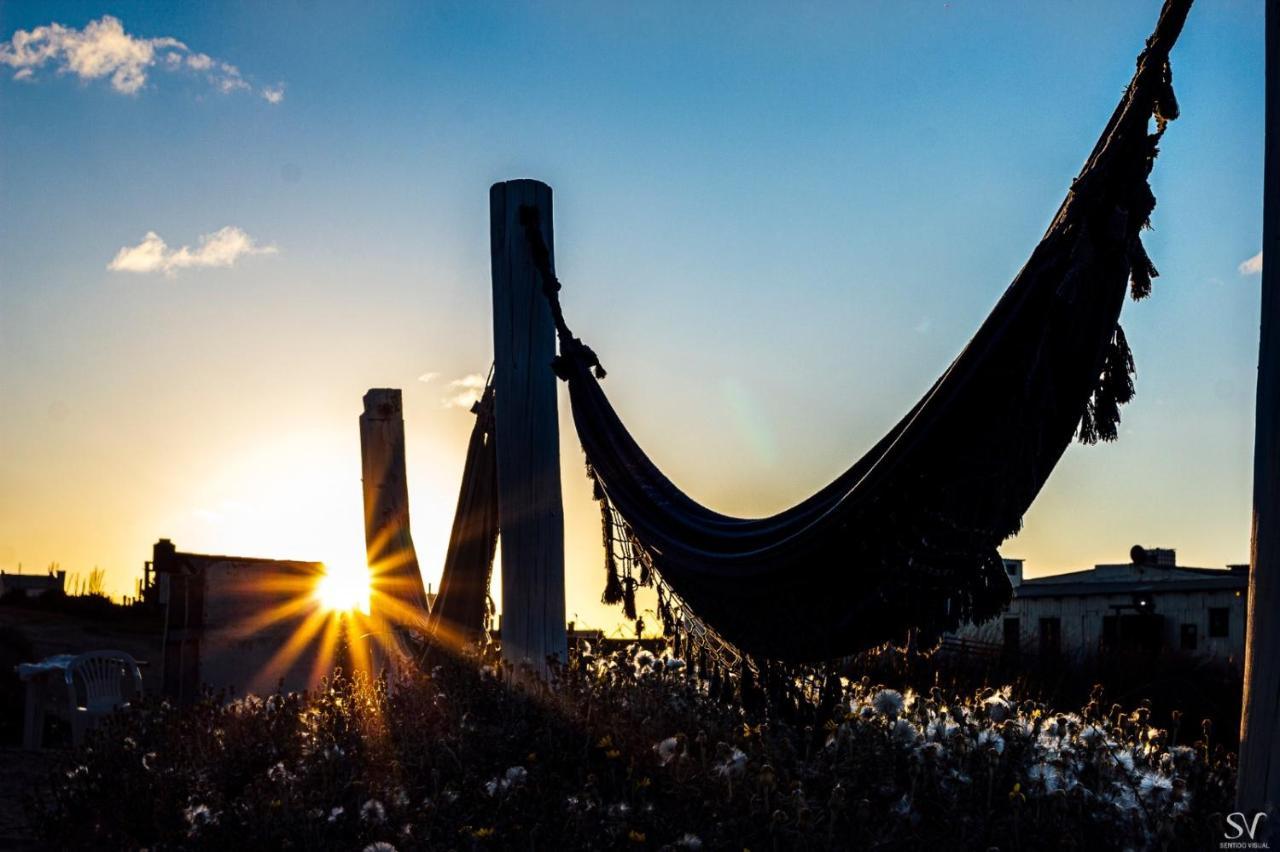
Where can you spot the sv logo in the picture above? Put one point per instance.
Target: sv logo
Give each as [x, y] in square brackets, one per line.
[1242, 826]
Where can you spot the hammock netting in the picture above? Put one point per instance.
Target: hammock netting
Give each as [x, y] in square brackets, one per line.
[902, 546]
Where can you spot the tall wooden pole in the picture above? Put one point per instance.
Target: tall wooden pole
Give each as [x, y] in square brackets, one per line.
[398, 593]
[530, 515]
[1259, 781]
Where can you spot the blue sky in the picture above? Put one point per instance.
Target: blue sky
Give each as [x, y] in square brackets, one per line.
[776, 223]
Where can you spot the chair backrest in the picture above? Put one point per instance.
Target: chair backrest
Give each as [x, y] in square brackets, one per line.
[101, 673]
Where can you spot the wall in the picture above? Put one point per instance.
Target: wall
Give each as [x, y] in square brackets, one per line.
[241, 624]
[1082, 621]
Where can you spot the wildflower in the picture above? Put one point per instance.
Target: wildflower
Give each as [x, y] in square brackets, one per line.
[636, 836]
[148, 761]
[279, 774]
[734, 763]
[904, 732]
[643, 661]
[482, 833]
[1153, 785]
[514, 776]
[667, 750]
[380, 846]
[887, 702]
[1092, 735]
[1046, 775]
[197, 817]
[941, 728]
[689, 841]
[77, 772]
[989, 739]
[335, 813]
[374, 812]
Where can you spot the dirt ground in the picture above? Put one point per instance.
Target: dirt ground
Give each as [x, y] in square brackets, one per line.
[57, 633]
[20, 772]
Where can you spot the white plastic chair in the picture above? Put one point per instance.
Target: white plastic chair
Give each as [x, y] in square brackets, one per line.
[101, 674]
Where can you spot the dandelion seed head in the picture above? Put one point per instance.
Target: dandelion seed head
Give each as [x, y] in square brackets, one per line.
[887, 702]
[374, 812]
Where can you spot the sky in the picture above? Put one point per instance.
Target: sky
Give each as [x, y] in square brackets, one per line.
[776, 223]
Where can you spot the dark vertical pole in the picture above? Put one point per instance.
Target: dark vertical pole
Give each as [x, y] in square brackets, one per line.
[530, 515]
[1259, 780]
[398, 593]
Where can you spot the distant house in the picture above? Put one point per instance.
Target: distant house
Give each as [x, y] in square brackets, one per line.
[1149, 604]
[235, 623]
[31, 585]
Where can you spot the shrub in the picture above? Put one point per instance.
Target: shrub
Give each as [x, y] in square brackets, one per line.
[631, 751]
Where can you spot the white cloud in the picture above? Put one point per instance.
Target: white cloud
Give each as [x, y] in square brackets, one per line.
[1252, 266]
[428, 377]
[221, 248]
[104, 49]
[464, 392]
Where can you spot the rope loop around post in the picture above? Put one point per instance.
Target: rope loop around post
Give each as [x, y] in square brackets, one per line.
[571, 347]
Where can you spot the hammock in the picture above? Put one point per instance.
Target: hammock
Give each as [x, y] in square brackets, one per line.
[905, 541]
[461, 607]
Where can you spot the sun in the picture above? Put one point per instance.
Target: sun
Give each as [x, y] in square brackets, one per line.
[344, 588]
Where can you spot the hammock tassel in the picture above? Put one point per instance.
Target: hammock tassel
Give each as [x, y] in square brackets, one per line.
[1141, 270]
[1101, 417]
[629, 598]
[613, 581]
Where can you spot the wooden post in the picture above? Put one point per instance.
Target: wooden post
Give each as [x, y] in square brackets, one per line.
[1258, 787]
[530, 515]
[398, 593]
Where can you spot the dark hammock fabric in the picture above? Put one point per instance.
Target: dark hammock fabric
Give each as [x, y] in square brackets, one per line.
[905, 541]
[458, 615]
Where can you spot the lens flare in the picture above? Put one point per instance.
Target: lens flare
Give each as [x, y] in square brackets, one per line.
[344, 588]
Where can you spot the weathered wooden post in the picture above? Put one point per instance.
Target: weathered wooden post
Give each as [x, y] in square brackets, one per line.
[398, 593]
[1258, 786]
[530, 515]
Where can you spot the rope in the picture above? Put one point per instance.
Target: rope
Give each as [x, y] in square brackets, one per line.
[570, 346]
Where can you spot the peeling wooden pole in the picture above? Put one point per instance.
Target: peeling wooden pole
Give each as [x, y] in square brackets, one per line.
[1258, 785]
[530, 514]
[398, 593]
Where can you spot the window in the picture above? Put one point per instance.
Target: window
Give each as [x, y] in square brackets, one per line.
[1219, 622]
[1050, 637]
[1012, 635]
[1189, 637]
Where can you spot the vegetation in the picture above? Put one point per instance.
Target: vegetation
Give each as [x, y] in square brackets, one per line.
[633, 750]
